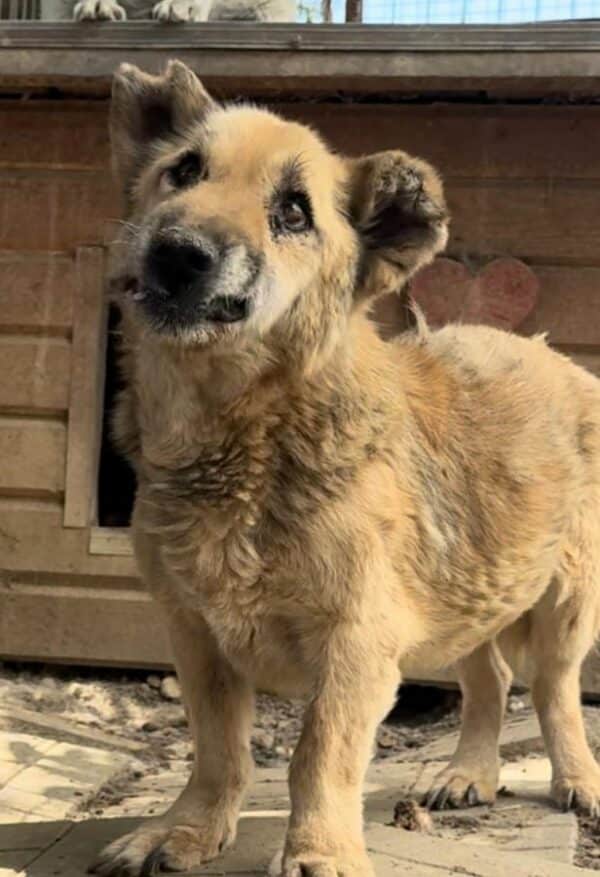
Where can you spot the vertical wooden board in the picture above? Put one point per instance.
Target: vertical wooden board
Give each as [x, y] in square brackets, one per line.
[87, 385]
[57, 210]
[36, 291]
[32, 456]
[34, 373]
[41, 134]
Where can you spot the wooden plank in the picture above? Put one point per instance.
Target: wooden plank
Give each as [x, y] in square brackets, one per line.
[568, 306]
[588, 361]
[32, 455]
[33, 539]
[461, 140]
[87, 389]
[553, 57]
[37, 290]
[553, 222]
[54, 210]
[546, 222]
[35, 374]
[40, 134]
[95, 625]
[115, 541]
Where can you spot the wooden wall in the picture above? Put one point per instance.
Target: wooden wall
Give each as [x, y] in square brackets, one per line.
[521, 180]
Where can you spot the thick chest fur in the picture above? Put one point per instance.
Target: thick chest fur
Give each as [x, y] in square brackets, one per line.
[249, 532]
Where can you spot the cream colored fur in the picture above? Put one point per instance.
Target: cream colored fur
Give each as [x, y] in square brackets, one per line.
[319, 511]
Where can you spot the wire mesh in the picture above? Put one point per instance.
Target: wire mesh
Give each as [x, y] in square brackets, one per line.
[381, 11]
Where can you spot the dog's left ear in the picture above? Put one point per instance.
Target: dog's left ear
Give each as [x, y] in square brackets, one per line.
[397, 206]
[147, 108]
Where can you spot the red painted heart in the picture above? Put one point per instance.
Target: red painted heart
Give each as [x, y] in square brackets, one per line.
[503, 294]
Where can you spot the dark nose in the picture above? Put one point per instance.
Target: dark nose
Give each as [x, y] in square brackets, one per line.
[175, 268]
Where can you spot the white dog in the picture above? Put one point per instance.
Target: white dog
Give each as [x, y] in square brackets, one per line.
[183, 10]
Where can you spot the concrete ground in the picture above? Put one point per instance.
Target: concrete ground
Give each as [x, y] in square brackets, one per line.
[66, 791]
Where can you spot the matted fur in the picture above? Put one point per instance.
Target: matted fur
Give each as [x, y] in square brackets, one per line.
[319, 511]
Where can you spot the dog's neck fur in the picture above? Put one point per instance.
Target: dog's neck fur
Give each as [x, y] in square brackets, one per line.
[190, 400]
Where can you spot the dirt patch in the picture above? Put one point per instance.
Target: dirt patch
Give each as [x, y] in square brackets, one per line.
[135, 706]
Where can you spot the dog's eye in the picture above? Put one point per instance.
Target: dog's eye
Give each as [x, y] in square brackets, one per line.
[294, 214]
[188, 171]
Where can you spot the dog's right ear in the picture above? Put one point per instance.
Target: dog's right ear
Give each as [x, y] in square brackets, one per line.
[148, 108]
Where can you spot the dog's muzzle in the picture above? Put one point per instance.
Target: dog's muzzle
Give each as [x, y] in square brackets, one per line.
[181, 277]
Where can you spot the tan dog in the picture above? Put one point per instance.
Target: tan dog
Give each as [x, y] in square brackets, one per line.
[317, 510]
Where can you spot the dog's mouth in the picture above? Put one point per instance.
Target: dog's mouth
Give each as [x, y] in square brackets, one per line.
[226, 309]
[186, 311]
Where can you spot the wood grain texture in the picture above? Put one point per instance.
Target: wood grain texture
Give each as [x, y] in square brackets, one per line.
[552, 222]
[32, 456]
[461, 139]
[82, 624]
[37, 291]
[40, 134]
[33, 539]
[87, 388]
[35, 374]
[54, 210]
[568, 305]
[504, 142]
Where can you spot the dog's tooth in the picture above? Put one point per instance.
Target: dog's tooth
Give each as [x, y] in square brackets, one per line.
[140, 295]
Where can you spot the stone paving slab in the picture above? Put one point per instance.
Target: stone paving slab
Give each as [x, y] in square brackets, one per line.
[519, 729]
[394, 852]
[454, 857]
[43, 780]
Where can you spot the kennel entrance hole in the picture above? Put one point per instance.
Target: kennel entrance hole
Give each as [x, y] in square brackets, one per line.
[116, 478]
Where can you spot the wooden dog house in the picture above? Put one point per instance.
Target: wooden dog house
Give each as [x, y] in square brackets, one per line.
[509, 116]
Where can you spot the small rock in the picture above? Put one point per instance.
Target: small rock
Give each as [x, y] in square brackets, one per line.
[170, 688]
[154, 681]
[385, 738]
[408, 814]
[515, 705]
[49, 682]
[263, 738]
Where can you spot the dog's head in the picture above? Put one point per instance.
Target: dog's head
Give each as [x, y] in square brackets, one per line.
[243, 225]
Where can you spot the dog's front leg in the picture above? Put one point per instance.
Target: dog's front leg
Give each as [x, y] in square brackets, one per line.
[202, 821]
[356, 688]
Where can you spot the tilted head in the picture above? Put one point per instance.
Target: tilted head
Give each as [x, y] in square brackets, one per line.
[246, 226]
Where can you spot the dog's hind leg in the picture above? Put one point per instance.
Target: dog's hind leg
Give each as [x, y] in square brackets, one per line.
[472, 776]
[564, 626]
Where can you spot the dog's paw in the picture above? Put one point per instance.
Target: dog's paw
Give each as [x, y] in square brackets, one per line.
[455, 788]
[181, 10]
[99, 10]
[580, 793]
[153, 849]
